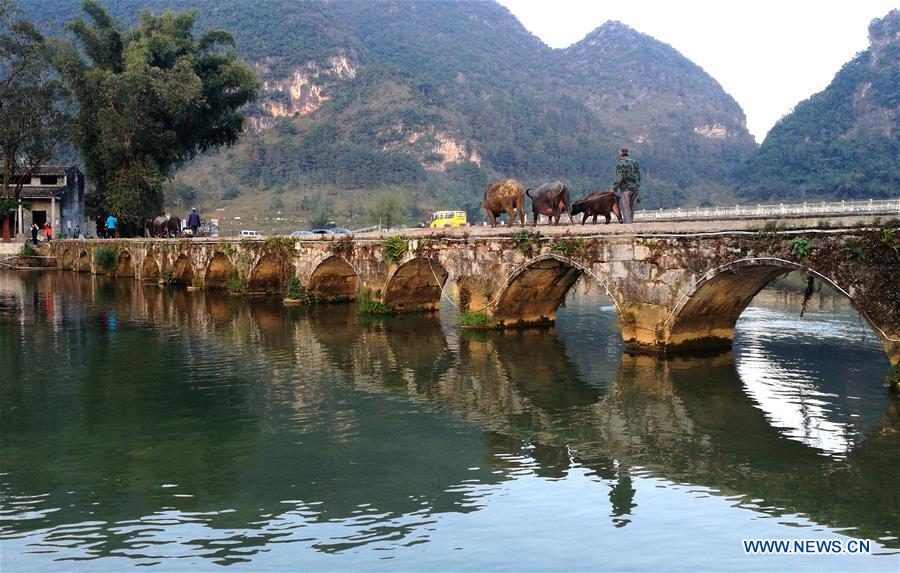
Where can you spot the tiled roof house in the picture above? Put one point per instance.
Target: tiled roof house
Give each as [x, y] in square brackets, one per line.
[56, 195]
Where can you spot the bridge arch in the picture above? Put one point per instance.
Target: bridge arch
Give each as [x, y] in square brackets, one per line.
[268, 274]
[150, 269]
[124, 264]
[218, 271]
[706, 314]
[417, 284]
[182, 270]
[334, 279]
[83, 262]
[66, 258]
[534, 292]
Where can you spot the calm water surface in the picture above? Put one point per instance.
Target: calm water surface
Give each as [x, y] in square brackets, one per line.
[144, 426]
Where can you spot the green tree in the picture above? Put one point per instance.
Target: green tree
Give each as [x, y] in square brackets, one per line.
[34, 115]
[390, 207]
[319, 209]
[151, 98]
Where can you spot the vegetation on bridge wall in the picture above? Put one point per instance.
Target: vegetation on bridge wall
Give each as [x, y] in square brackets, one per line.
[869, 262]
[573, 248]
[866, 261]
[105, 258]
[296, 293]
[394, 248]
[527, 243]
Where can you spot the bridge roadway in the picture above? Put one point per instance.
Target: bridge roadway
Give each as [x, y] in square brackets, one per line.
[676, 285]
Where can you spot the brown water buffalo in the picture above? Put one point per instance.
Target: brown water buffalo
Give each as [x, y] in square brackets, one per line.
[600, 203]
[505, 197]
[552, 200]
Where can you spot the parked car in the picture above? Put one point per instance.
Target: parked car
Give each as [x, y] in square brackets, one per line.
[296, 234]
[320, 232]
[340, 231]
[250, 234]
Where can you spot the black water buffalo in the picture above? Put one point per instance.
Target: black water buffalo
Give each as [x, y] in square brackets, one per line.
[550, 199]
[164, 227]
[600, 203]
[173, 227]
[505, 197]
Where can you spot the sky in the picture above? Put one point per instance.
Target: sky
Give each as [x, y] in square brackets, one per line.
[768, 55]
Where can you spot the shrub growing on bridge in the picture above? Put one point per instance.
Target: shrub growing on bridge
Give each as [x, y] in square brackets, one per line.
[298, 292]
[801, 247]
[105, 258]
[475, 320]
[394, 248]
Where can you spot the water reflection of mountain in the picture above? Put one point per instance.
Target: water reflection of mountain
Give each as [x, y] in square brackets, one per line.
[310, 415]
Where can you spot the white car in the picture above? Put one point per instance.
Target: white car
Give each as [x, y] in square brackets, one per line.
[250, 234]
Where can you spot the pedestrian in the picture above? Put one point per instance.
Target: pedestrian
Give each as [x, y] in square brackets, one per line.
[100, 221]
[48, 231]
[111, 226]
[77, 231]
[34, 232]
[193, 222]
[627, 185]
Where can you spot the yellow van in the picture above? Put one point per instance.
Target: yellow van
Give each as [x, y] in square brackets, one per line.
[448, 219]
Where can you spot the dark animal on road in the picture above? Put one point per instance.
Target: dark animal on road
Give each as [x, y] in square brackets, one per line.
[601, 203]
[552, 200]
[164, 227]
[505, 197]
[173, 227]
[157, 226]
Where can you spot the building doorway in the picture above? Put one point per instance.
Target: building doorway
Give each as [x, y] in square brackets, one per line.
[39, 217]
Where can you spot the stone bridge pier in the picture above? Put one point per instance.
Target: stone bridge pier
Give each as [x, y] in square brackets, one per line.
[671, 292]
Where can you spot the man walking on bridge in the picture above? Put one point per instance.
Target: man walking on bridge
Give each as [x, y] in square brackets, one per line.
[627, 185]
[193, 222]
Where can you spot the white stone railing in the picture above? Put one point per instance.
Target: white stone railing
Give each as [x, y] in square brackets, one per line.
[890, 207]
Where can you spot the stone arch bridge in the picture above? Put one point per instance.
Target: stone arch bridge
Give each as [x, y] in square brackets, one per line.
[672, 291]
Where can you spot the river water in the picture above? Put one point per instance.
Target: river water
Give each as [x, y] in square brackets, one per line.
[144, 426]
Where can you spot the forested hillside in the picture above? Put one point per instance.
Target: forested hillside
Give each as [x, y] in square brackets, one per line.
[842, 143]
[431, 100]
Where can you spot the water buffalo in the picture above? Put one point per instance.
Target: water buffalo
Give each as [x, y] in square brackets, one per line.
[173, 227]
[156, 225]
[600, 203]
[505, 197]
[164, 227]
[550, 199]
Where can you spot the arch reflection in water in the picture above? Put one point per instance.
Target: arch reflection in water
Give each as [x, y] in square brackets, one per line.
[804, 372]
[245, 423]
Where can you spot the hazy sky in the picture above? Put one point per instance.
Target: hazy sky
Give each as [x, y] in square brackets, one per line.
[768, 55]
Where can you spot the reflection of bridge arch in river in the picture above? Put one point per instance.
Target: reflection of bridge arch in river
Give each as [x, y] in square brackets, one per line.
[659, 415]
